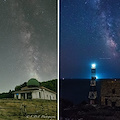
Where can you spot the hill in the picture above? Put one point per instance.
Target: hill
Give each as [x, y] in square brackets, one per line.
[11, 109]
[52, 85]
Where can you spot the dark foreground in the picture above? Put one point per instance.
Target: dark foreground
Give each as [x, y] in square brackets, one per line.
[89, 112]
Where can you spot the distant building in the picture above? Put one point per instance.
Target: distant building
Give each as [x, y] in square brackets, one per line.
[110, 92]
[33, 90]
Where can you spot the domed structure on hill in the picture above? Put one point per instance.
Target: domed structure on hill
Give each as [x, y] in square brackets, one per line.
[33, 83]
[33, 90]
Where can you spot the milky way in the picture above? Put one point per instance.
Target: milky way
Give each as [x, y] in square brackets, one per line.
[90, 33]
[109, 24]
[28, 30]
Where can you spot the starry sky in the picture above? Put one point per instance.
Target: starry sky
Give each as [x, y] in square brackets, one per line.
[89, 33]
[28, 44]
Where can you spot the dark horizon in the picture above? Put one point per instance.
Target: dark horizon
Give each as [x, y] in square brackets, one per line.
[76, 90]
[86, 78]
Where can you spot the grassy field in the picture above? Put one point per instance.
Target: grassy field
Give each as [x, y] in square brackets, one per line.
[28, 109]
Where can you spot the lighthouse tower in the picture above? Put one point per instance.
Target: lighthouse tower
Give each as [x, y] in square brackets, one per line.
[93, 92]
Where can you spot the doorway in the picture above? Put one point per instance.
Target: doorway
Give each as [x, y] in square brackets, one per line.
[113, 104]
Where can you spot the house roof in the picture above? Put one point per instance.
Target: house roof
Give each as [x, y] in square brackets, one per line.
[47, 89]
[23, 91]
[31, 89]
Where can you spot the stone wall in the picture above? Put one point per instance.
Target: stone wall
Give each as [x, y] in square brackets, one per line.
[110, 92]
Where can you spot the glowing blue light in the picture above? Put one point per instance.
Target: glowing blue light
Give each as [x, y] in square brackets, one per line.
[93, 65]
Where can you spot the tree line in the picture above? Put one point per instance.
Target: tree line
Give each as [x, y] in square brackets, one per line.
[51, 84]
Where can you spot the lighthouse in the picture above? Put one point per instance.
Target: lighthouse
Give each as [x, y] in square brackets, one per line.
[93, 91]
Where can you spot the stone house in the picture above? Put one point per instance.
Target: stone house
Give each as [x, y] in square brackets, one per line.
[110, 92]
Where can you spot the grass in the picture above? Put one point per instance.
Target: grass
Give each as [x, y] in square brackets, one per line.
[11, 109]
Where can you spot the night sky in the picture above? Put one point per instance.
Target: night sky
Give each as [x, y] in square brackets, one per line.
[89, 33]
[27, 42]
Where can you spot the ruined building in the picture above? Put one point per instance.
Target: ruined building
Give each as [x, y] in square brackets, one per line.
[110, 92]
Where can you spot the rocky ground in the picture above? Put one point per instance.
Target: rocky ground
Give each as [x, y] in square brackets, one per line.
[89, 112]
